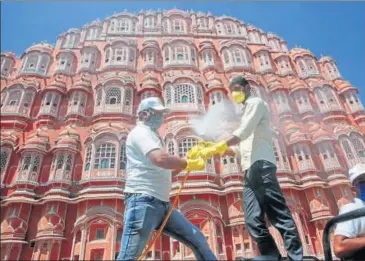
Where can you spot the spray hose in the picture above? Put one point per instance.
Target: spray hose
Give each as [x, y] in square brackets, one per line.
[192, 154]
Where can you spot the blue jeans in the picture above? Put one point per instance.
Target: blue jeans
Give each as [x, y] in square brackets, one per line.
[143, 214]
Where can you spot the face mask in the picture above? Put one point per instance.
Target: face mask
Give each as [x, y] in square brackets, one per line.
[155, 121]
[238, 96]
[361, 187]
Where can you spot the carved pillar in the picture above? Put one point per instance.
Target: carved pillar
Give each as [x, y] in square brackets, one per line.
[113, 241]
[82, 36]
[83, 243]
[105, 28]
[73, 247]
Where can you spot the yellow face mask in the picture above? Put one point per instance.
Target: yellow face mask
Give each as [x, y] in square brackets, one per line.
[238, 96]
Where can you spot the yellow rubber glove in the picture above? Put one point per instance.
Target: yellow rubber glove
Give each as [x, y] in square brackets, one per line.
[221, 147]
[216, 148]
[195, 164]
[194, 151]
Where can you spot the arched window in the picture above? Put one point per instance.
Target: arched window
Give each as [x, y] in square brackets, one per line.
[171, 148]
[353, 101]
[105, 156]
[65, 62]
[35, 62]
[328, 155]
[87, 159]
[185, 145]
[93, 33]
[4, 158]
[184, 93]
[113, 96]
[150, 21]
[302, 101]
[281, 101]
[359, 146]
[282, 160]
[50, 104]
[303, 157]
[6, 64]
[327, 99]
[216, 97]
[88, 59]
[128, 100]
[29, 167]
[123, 157]
[202, 23]
[71, 40]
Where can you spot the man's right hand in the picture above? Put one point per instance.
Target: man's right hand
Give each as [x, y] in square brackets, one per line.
[195, 164]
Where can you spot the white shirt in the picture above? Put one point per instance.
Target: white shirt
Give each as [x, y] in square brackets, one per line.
[142, 175]
[354, 227]
[255, 134]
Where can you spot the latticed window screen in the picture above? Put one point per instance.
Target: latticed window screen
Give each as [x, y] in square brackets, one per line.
[4, 155]
[60, 160]
[128, 96]
[171, 148]
[168, 95]
[14, 98]
[184, 93]
[27, 100]
[113, 96]
[26, 162]
[88, 158]
[122, 157]
[148, 94]
[69, 162]
[99, 96]
[185, 145]
[347, 148]
[36, 162]
[105, 156]
[358, 145]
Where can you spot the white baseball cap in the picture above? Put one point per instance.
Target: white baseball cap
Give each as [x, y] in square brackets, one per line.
[356, 171]
[152, 103]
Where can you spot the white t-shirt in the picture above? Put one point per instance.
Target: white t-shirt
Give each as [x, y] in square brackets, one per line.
[142, 175]
[351, 228]
[255, 134]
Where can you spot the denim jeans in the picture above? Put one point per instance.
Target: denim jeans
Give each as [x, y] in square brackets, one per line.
[144, 214]
[262, 195]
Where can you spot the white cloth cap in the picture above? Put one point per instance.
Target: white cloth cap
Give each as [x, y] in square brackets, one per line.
[356, 171]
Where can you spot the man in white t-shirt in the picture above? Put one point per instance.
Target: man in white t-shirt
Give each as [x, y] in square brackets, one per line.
[147, 189]
[350, 235]
[252, 143]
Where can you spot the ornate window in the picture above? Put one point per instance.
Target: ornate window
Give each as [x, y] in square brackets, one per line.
[307, 66]
[237, 56]
[4, 161]
[184, 96]
[7, 64]
[180, 53]
[332, 71]
[71, 40]
[185, 145]
[61, 167]
[120, 54]
[207, 57]
[35, 62]
[215, 97]
[302, 100]
[281, 102]
[65, 63]
[327, 99]
[264, 61]
[115, 99]
[18, 100]
[93, 33]
[77, 103]
[150, 21]
[171, 147]
[353, 101]
[105, 156]
[328, 156]
[303, 156]
[88, 59]
[283, 63]
[150, 57]
[282, 160]
[202, 23]
[254, 37]
[229, 165]
[50, 104]
[123, 157]
[87, 159]
[122, 25]
[29, 167]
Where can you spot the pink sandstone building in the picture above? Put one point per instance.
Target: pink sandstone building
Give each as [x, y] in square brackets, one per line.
[66, 111]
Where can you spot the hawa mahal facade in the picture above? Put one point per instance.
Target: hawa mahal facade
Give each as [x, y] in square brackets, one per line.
[66, 111]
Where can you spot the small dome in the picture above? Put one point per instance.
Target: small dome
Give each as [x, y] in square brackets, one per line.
[41, 47]
[69, 131]
[67, 140]
[297, 136]
[297, 52]
[326, 59]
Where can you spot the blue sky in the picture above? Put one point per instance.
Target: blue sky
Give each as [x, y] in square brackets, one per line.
[329, 28]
